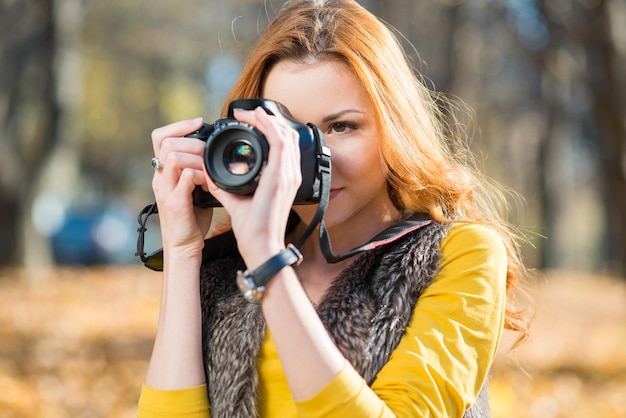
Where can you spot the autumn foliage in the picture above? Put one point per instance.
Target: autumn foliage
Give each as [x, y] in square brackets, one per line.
[75, 342]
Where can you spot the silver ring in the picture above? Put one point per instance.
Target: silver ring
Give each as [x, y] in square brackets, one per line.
[156, 163]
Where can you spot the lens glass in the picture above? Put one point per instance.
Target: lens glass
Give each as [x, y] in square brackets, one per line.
[239, 157]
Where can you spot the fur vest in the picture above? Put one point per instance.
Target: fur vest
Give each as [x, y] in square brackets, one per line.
[365, 311]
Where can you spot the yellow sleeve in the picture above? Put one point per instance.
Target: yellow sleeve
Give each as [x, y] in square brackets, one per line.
[347, 395]
[189, 403]
[443, 359]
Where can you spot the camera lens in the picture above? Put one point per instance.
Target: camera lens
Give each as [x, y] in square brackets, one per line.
[234, 156]
[239, 157]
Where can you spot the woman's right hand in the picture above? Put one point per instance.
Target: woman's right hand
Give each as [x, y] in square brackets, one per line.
[183, 226]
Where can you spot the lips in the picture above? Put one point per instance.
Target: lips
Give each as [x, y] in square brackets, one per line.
[334, 193]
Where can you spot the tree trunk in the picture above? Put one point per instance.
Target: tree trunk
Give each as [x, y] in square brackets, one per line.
[28, 113]
[39, 94]
[605, 85]
[587, 30]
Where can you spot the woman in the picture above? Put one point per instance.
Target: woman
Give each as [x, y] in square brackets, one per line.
[407, 329]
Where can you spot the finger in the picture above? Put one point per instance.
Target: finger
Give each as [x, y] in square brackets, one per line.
[283, 142]
[178, 211]
[176, 129]
[273, 128]
[227, 200]
[284, 156]
[189, 179]
[185, 145]
[258, 118]
[178, 200]
[167, 178]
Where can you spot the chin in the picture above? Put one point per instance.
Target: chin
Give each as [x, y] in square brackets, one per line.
[307, 212]
[334, 218]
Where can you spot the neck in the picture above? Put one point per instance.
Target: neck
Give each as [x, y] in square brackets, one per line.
[316, 274]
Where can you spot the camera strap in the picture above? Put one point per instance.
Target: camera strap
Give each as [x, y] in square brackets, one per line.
[387, 236]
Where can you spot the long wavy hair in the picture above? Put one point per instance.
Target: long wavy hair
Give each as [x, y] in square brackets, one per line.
[428, 164]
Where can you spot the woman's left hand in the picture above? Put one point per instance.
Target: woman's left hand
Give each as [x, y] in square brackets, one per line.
[259, 221]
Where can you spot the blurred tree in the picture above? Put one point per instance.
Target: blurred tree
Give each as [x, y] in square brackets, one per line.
[583, 63]
[608, 87]
[29, 116]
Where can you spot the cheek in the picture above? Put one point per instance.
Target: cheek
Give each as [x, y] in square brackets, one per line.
[356, 156]
[363, 174]
[358, 159]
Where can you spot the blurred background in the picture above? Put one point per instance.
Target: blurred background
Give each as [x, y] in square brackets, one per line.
[84, 82]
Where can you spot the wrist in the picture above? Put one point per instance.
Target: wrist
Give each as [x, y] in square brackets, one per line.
[182, 257]
[255, 255]
[184, 248]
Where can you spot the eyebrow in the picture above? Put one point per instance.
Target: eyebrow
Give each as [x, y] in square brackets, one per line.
[339, 114]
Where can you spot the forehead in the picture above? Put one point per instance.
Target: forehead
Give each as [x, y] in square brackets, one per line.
[316, 88]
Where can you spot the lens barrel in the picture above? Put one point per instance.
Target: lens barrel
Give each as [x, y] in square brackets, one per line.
[234, 156]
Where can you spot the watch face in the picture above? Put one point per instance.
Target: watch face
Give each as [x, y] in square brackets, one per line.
[248, 287]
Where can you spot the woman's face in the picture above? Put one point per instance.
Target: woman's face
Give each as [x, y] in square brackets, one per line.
[328, 94]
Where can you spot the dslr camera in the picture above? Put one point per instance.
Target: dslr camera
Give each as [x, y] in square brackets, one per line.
[236, 152]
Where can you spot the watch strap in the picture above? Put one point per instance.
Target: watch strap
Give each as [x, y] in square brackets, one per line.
[252, 283]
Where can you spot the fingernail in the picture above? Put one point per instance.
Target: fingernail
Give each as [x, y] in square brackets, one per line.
[195, 121]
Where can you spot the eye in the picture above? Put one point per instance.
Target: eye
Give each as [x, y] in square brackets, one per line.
[341, 128]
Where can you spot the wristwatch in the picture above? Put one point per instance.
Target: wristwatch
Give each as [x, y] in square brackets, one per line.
[252, 283]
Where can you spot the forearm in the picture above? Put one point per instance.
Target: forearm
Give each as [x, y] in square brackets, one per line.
[309, 358]
[176, 360]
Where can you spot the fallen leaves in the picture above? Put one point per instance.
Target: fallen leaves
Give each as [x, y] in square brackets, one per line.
[76, 342]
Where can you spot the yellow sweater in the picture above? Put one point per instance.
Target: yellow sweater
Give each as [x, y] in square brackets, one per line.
[437, 369]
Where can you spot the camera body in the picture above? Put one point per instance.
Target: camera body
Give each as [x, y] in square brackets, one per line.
[236, 152]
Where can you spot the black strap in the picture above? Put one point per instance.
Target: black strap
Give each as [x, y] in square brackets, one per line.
[145, 213]
[287, 257]
[324, 162]
[387, 236]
